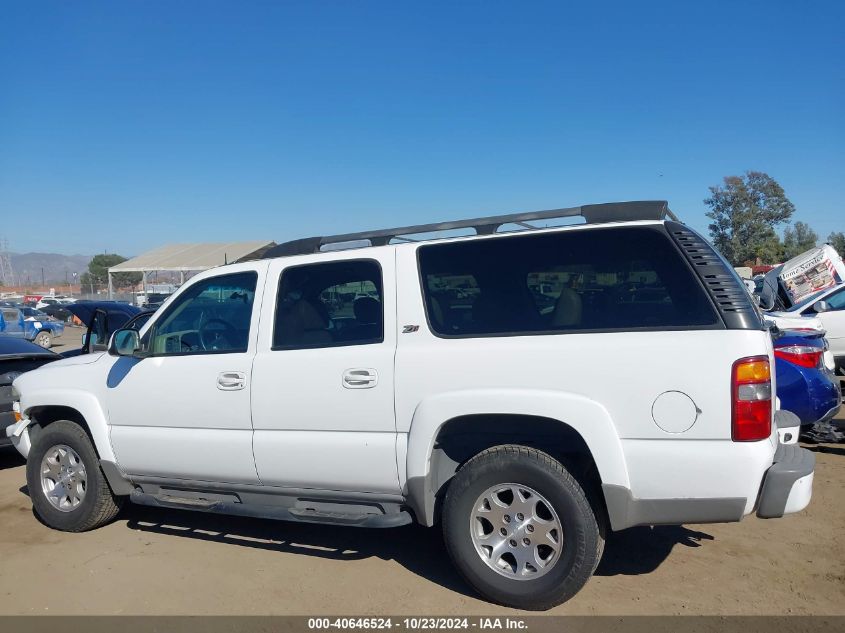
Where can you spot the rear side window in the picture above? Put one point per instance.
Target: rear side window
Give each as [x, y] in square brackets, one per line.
[329, 305]
[604, 279]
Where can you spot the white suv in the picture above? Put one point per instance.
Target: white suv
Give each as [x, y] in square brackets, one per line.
[525, 390]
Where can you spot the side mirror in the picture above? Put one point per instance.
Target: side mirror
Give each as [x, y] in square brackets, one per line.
[821, 306]
[125, 343]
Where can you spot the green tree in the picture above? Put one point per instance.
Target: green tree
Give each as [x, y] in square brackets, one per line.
[798, 239]
[98, 272]
[745, 212]
[837, 241]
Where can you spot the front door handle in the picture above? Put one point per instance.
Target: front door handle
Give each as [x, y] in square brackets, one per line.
[360, 378]
[231, 380]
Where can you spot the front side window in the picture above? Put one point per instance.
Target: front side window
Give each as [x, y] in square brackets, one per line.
[604, 279]
[211, 316]
[836, 301]
[328, 305]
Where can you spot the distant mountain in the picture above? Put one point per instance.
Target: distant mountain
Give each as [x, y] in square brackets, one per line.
[27, 267]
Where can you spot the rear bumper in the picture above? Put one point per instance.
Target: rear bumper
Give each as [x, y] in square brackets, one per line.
[770, 477]
[788, 484]
[832, 413]
[826, 417]
[789, 426]
[811, 394]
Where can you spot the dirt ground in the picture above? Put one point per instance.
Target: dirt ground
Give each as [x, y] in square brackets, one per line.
[70, 339]
[154, 561]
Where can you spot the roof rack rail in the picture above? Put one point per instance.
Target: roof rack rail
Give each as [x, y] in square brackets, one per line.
[592, 213]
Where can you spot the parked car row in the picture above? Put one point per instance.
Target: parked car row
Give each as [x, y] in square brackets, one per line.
[803, 302]
[31, 325]
[55, 300]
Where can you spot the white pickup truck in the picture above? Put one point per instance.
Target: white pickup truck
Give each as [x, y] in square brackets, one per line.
[525, 388]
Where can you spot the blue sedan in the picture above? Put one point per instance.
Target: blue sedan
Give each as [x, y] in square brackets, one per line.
[805, 385]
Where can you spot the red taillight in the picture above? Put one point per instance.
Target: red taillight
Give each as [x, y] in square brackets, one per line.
[801, 355]
[751, 399]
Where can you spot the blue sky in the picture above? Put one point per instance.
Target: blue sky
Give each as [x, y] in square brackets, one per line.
[126, 125]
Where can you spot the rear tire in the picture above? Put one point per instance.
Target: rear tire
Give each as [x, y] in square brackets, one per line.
[68, 489]
[44, 339]
[502, 555]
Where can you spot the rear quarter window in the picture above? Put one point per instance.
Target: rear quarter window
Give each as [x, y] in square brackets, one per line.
[588, 280]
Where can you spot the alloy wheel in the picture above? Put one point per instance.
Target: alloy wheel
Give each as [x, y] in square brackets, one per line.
[516, 531]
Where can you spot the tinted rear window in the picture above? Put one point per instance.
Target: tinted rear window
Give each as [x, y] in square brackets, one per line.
[604, 279]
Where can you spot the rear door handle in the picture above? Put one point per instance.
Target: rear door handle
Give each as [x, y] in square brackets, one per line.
[360, 378]
[231, 380]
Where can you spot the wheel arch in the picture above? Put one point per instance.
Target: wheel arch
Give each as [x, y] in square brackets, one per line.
[45, 407]
[42, 416]
[85, 411]
[449, 429]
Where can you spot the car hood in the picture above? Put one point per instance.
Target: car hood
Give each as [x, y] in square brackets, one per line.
[82, 359]
[85, 310]
[11, 347]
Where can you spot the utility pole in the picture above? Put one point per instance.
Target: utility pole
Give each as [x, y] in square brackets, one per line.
[42, 278]
[7, 275]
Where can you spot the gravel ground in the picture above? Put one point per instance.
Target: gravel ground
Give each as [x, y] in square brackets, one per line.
[154, 561]
[71, 339]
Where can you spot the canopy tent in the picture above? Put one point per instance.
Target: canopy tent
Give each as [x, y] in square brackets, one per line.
[184, 258]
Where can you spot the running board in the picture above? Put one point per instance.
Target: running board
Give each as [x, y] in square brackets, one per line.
[303, 510]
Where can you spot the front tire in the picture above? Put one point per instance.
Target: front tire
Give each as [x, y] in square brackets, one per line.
[520, 528]
[68, 489]
[44, 339]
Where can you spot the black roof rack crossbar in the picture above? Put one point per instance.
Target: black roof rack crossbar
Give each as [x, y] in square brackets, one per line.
[592, 213]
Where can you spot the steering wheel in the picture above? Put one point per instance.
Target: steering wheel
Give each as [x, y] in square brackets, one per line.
[212, 339]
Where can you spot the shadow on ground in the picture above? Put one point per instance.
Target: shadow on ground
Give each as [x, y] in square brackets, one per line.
[641, 550]
[420, 550]
[827, 448]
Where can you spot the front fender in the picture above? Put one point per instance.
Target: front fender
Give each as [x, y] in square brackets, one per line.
[587, 417]
[85, 403]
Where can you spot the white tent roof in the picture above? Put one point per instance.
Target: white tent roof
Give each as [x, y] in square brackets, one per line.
[192, 257]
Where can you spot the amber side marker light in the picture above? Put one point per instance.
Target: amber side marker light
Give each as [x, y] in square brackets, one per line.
[751, 399]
